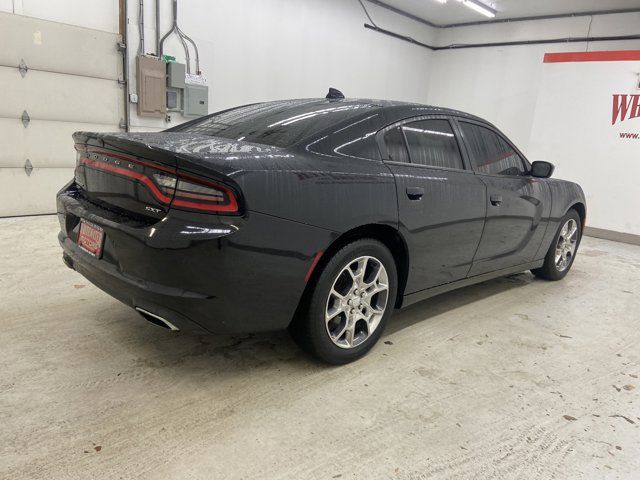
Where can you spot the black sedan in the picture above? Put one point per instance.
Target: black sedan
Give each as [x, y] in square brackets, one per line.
[317, 215]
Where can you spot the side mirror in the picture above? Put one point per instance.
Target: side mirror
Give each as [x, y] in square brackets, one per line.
[541, 169]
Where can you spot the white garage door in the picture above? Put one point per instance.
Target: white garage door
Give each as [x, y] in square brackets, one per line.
[70, 83]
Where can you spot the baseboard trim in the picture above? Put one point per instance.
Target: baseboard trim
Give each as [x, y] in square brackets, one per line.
[612, 235]
[25, 216]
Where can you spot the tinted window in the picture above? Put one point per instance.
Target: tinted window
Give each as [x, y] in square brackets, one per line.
[280, 124]
[396, 147]
[432, 142]
[356, 139]
[491, 153]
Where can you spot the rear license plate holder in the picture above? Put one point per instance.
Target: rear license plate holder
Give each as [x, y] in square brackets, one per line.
[91, 238]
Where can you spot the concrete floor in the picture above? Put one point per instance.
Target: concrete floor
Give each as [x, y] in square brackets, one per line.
[514, 378]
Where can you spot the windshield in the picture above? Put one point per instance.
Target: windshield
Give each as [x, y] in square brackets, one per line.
[281, 124]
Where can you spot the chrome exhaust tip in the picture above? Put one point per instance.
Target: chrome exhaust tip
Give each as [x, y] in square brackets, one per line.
[156, 319]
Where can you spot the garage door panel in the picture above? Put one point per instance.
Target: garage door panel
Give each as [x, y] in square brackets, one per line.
[54, 96]
[44, 143]
[55, 47]
[71, 83]
[34, 194]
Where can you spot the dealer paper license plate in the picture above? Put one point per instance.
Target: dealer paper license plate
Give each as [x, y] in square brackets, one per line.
[91, 238]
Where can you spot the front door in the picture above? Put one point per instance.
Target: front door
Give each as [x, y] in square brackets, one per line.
[517, 204]
[442, 203]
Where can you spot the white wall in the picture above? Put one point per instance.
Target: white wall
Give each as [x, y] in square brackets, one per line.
[271, 49]
[96, 14]
[501, 83]
[254, 50]
[582, 26]
[574, 128]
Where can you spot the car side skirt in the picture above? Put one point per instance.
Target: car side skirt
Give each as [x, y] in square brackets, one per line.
[447, 287]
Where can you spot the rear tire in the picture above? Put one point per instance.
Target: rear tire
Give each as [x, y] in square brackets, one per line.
[563, 249]
[350, 304]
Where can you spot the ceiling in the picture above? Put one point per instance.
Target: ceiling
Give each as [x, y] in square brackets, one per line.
[455, 12]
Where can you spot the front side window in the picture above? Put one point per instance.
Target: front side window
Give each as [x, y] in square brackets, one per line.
[491, 153]
[432, 143]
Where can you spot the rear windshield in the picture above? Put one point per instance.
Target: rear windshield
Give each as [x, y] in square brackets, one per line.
[281, 124]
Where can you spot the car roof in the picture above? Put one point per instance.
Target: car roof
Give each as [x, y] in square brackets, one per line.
[270, 116]
[397, 109]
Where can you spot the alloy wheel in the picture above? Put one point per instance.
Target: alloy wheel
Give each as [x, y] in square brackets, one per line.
[566, 245]
[357, 301]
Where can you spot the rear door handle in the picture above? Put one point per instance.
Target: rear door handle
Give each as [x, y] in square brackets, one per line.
[496, 200]
[415, 193]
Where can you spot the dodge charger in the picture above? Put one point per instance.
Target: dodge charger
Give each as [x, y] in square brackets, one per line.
[317, 215]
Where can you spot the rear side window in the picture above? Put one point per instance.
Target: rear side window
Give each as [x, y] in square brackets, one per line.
[396, 148]
[491, 153]
[432, 143]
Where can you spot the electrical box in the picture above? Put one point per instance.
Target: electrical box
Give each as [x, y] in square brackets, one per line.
[152, 89]
[196, 100]
[173, 99]
[175, 74]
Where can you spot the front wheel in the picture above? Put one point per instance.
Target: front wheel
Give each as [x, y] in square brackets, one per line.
[563, 249]
[350, 303]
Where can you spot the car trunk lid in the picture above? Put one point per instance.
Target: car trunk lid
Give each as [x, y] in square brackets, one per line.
[149, 173]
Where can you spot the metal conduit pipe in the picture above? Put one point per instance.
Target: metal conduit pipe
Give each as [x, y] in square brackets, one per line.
[502, 44]
[141, 27]
[124, 49]
[187, 55]
[590, 13]
[157, 28]
[183, 38]
[375, 27]
[195, 47]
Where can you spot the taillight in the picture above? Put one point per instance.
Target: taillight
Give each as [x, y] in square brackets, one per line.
[167, 183]
[167, 186]
[193, 193]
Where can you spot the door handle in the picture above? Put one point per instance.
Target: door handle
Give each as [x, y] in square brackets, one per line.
[415, 193]
[496, 200]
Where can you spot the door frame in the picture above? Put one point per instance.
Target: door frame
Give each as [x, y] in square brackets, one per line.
[423, 170]
[481, 175]
[382, 146]
[457, 120]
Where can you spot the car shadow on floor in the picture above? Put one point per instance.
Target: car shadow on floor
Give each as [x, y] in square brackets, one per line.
[156, 348]
[454, 299]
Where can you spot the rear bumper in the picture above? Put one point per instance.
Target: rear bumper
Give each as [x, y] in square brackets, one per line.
[202, 273]
[130, 291]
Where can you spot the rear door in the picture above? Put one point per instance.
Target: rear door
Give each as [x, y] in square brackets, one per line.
[441, 203]
[518, 205]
